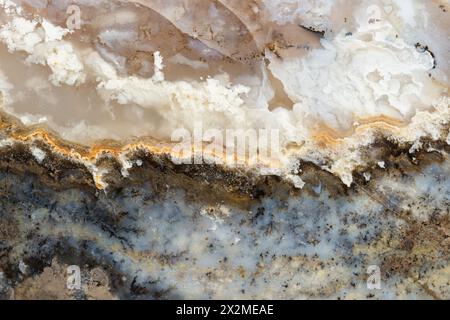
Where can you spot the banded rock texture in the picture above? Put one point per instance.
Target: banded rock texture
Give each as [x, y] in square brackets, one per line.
[93, 92]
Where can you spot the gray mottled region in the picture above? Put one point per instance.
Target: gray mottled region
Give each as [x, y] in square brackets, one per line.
[307, 246]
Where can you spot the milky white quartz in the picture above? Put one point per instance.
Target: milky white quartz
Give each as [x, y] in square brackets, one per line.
[39, 154]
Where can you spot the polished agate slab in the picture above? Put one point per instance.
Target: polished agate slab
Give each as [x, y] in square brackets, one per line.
[334, 102]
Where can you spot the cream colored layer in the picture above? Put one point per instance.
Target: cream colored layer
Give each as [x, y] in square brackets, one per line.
[356, 85]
